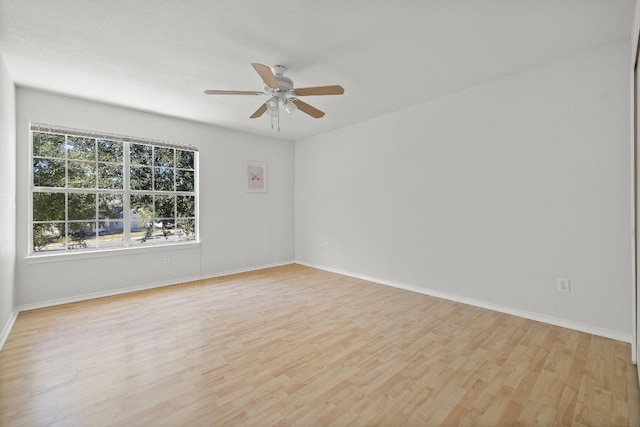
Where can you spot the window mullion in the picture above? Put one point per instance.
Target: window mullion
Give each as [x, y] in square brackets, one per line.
[66, 193]
[96, 183]
[66, 221]
[126, 200]
[30, 245]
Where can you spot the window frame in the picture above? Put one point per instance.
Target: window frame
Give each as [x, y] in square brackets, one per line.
[67, 250]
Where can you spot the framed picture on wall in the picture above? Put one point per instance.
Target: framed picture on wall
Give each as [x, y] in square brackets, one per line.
[255, 177]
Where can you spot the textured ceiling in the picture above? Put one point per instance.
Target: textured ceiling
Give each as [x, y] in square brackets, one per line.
[161, 55]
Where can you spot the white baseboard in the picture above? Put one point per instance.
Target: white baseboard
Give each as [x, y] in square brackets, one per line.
[246, 270]
[144, 287]
[101, 294]
[577, 326]
[84, 297]
[8, 326]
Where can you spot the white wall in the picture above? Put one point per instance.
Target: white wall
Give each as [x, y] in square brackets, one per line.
[489, 194]
[238, 230]
[635, 120]
[636, 153]
[7, 196]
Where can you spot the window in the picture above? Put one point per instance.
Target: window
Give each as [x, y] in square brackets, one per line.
[96, 192]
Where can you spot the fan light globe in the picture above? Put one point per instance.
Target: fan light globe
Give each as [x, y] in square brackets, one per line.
[289, 106]
[272, 104]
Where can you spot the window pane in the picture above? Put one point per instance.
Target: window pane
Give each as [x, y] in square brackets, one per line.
[163, 157]
[110, 206]
[186, 229]
[110, 151]
[141, 154]
[48, 236]
[185, 180]
[151, 232]
[163, 179]
[48, 145]
[164, 230]
[48, 173]
[48, 206]
[140, 178]
[81, 148]
[165, 207]
[82, 175]
[142, 235]
[185, 159]
[82, 235]
[142, 202]
[186, 206]
[141, 212]
[82, 206]
[110, 176]
[110, 234]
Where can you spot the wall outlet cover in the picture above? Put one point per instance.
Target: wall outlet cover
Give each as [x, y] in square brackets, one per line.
[562, 285]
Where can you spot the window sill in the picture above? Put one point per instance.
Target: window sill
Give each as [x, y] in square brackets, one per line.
[88, 254]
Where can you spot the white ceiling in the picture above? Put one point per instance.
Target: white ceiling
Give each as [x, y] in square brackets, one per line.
[160, 55]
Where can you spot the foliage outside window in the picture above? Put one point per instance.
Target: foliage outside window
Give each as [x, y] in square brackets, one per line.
[103, 192]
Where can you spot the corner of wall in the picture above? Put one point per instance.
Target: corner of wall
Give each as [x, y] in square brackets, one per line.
[8, 310]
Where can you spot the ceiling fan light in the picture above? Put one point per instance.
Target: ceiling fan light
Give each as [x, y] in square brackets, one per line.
[290, 107]
[272, 105]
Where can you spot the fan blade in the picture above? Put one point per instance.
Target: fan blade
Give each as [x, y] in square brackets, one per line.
[260, 111]
[319, 90]
[312, 111]
[266, 75]
[232, 92]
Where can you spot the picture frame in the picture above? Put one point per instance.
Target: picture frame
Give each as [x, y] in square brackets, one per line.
[255, 177]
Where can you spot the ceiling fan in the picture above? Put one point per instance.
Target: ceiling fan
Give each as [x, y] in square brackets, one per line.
[280, 91]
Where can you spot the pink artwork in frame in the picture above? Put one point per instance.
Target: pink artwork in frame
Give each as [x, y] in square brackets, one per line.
[255, 177]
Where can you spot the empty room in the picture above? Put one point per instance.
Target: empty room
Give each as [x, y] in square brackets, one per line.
[409, 213]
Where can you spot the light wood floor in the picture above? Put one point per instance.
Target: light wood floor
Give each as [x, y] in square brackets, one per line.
[297, 346]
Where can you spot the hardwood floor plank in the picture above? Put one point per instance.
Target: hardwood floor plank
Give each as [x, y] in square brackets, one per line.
[297, 346]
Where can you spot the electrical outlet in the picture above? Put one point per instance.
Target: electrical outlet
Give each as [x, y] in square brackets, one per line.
[563, 285]
[167, 259]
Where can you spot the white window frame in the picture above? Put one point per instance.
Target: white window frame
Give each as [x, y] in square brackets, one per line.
[125, 191]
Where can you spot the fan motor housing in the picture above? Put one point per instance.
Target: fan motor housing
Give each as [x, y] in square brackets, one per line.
[285, 83]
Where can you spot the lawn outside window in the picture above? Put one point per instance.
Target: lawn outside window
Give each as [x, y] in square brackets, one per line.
[93, 192]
